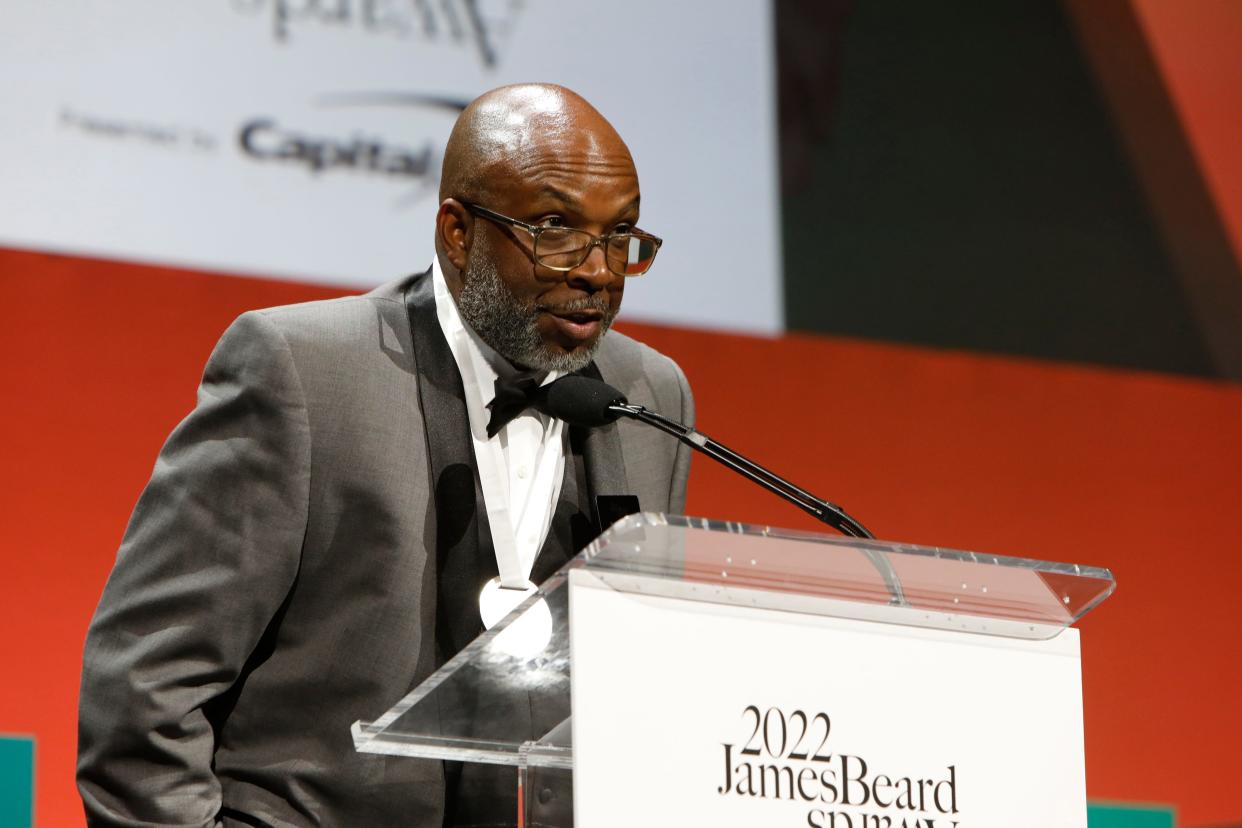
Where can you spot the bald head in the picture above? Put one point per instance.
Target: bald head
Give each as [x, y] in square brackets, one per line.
[529, 165]
[505, 134]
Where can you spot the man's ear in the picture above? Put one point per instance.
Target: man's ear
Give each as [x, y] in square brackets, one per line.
[454, 226]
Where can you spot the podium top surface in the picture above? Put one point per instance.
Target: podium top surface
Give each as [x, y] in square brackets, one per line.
[505, 698]
[788, 567]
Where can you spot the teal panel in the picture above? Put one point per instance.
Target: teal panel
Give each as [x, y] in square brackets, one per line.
[1114, 815]
[16, 782]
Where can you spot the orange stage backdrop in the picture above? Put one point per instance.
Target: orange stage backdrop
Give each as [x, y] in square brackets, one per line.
[1134, 471]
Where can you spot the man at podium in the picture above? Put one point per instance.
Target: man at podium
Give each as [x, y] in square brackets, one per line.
[357, 477]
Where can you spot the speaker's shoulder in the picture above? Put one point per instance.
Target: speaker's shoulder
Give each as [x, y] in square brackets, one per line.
[643, 374]
[623, 355]
[345, 333]
[335, 317]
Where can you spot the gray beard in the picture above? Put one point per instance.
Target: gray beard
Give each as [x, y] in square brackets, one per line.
[511, 329]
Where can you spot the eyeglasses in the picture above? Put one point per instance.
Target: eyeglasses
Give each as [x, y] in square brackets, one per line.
[564, 248]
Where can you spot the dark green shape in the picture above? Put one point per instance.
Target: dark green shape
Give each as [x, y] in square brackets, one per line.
[970, 190]
[1114, 815]
[16, 782]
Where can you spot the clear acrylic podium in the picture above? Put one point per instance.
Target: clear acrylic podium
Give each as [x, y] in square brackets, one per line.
[505, 699]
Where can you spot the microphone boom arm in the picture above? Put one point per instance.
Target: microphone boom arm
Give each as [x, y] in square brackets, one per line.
[817, 508]
[590, 402]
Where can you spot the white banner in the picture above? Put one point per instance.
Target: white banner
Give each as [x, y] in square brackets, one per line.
[692, 713]
[302, 138]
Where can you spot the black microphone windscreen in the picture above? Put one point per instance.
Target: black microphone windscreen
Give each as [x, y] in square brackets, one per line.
[581, 401]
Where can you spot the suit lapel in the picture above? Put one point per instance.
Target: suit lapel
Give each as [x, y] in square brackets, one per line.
[572, 526]
[593, 466]
[465, 558]
[601, 449]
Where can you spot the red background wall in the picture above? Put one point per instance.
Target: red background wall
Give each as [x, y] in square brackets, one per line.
[1137, 472]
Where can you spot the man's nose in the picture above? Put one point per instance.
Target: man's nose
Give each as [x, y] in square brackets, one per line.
[593, 274]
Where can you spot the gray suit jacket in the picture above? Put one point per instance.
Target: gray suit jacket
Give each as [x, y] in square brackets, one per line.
[277, 579]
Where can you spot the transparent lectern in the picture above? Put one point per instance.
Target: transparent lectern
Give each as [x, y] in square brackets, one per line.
[505, 699]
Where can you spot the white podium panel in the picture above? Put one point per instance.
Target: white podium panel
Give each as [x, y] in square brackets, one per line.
[688, 712]
[730, 675]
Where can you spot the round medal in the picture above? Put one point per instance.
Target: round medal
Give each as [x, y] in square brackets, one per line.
[525, 636]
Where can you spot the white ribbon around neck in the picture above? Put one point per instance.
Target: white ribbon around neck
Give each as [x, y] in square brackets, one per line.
[501, 595]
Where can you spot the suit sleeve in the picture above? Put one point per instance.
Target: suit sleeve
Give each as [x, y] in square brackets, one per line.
[681, 462]
[209, 555]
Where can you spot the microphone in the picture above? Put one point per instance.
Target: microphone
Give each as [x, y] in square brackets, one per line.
[579, 400]
[589, 402]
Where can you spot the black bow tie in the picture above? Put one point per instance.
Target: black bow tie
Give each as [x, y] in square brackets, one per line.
[513, 396]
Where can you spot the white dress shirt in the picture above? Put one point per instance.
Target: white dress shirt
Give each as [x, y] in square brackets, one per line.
[520, 469]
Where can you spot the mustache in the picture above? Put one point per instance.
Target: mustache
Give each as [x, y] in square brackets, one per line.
[586, 303]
